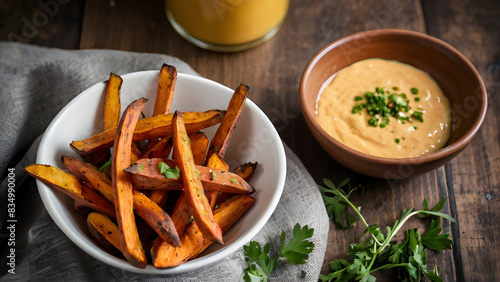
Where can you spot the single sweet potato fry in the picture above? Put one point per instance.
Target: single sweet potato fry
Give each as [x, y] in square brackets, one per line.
[246, 170]
[193, 188]
[164, 94]
[71, 186]
[150, 212]
[112, 106]
[215, 161]
[86, 171]
[199, 146]
[145, 174]
[111, 116]
[181, 215]
[105, 232]
[112, 110]
[122, 188]
[193, 242]
[221, 139]
[157, 126]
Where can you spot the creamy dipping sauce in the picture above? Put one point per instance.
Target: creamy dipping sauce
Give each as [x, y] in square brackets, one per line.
[402, 137]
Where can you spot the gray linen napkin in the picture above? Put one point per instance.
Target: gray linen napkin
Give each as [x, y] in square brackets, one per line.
[35, 84]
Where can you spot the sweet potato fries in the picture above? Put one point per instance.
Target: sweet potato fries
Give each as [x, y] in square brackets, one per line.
[166, 188]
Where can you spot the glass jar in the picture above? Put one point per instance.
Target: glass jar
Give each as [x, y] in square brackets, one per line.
[227, 25]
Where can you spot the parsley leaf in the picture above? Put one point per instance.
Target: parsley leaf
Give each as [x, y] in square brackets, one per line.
[432, 240]
[298, 248]
[336, 206]
[297, 251]
[378, 251]
[167, 171]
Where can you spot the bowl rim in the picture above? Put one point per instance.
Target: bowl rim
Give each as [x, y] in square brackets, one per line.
[449, 149]
[204, 261]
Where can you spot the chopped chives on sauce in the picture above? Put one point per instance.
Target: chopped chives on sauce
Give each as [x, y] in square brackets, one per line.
[381, 105]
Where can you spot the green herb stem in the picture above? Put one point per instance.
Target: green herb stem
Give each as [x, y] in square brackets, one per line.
[354, 208]
[385, 255]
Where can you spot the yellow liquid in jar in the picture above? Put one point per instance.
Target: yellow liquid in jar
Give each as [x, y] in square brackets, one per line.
[228, 22]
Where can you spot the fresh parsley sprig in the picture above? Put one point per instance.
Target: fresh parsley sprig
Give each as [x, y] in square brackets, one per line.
[297, 251]
[336, 206]
[377, 252]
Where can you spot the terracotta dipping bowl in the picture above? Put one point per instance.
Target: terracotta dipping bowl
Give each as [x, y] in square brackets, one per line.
[454, 73]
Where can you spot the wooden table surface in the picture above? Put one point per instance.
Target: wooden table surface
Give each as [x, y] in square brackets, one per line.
[470, 183]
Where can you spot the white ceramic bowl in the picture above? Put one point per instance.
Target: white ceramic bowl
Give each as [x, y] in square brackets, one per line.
[254, 139]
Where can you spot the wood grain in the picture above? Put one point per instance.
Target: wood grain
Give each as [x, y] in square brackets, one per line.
[46, 23]
[474, 176]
